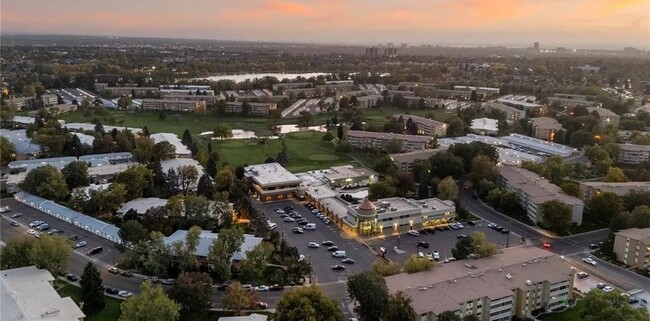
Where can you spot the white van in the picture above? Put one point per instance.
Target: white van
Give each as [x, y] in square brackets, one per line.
[272, 225]
[338, 254]
[310, 226]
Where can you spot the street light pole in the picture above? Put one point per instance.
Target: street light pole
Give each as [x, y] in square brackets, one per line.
[508, 236]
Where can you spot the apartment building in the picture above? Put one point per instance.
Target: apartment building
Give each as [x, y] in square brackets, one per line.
[403, 161]
[204, 90]
[485, 91]
[395, 213]
[291, 85]
[129, 91]
[591, 189]
[347, 175]
[526, 103]
[606, 116]
[50, 99]
[208, 99]
[485, 126]
[297, 92]
[172, 105]
[632, 247]
[533, 191]
[376, 140]
[256, 109]
[513, 283]
[544, 128]
[414, 101]
[407, 85]
[426, 126]
[271, 182]
[633, 154]
[368, 101]
[181, 150]
[512, 114]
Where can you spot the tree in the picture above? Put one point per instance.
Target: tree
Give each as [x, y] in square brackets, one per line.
[137, 180]
[393, 146]
[187, 176]
[385, 269]
[483, 168]
[252, 267]
[16, 253]
[192, 290]
[92, 289]
[222, 250]
[423, 189]
[222, 131]
[556, 215]
[600, 305]
[483, 247]
[224, 180]
[340, 131]
[615, 174]
[572, 188]
[187, 138]
[415, 264]
[370, 291]
[211, 167]
[305, 119]
[151, 304]
[328, 137]
[76, 174]
[344, 147]
[445, 164]
[47, 182]
[447, 189]
[8, 151]
[448, 316]
[237, 298]
[581, 138]
[456, 127]
[132, 232]
[605, 206]
[464, 247]
[307, 303]
[381, 189]
[399, 308]
[205, 187]
[144, 149]
[163, 150]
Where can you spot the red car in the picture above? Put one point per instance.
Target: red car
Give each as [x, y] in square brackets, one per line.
[547, 245]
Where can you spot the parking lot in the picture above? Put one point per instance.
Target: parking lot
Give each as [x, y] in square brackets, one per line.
[109, 254]
[441, 241]
[321, 260]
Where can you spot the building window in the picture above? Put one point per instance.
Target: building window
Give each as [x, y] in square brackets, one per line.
[280, 196]
[268, 198]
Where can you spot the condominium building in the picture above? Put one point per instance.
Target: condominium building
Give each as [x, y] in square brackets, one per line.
[307, 92]
[512, 114]
[256, 109]
[514, 283]
[403, 161]
[181, 150]
[368, 101]
[485, 91]
[50, 99]
[347, 175]
[210, 99]
[544, 128]
[291, 85]
[129, 91]
[395, 213]
[414, 101]
[204, 90]
[606, 116]
[526, 103]
[426, 126]
[378, 141]
[28, 293]
[485, 126]
[632, 247]
[412, 85]
[591, 189]
[271, 182]
[533, 191]
[633, 154]
[172, 104]
[21, 102]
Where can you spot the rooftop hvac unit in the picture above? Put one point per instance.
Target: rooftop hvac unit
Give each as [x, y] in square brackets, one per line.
[508, 276]
[528, 282]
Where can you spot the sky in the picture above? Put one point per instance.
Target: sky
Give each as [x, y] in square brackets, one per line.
[607, 24]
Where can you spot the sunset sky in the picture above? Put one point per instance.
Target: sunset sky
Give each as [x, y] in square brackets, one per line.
[571, 23]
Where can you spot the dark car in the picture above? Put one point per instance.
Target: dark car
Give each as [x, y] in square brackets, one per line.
[288, 209]
[222, 286]
[338, 267]
[126, 273]
[593, 246]
[347, 261]
[332, 248]
[461, 236]
[423, 231]
[73, 237]
[301, 222]
[440, 228]
[423, 244]
[276, 287]
[471, 223]
[72, 278]
[505, 231]
[447, 228]
[112, 291]
[298, 230]
[327, 243]
[431, 230]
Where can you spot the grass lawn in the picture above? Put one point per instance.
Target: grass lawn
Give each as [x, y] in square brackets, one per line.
[570, 314]
[588, 224]
[111, 311]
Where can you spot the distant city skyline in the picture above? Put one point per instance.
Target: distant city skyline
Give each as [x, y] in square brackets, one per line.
[589, 24]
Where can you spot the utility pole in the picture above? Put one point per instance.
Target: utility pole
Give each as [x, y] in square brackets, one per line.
[508, 236]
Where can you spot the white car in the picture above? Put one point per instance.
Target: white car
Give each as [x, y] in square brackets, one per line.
[80, 244]
[608, 289]
[429, 257]
[36, 223]
[31, 232]
[261, 288]
[289, 219]
[125, 294]
[5, 209]
[414, 233]
[436, 255]
[590, 261]
[314, 245]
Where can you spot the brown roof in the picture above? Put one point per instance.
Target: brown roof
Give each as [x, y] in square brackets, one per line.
[367, 205]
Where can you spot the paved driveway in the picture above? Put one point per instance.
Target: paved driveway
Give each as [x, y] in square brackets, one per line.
[320, 258]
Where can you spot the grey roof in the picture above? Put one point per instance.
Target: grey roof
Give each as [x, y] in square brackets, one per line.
[206, 239]
[60, 162]
[252, 317]
[270, 174]
[21, 142]
[91, 224]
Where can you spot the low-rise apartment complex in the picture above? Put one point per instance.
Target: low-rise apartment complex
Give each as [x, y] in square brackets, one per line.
[517, 282]
[347, 176]
[633, 154]
[632, 247]
[376, 140]
[172, 104]
[395, 213]
[130, 91]
[426, 126]
[533, 191]
[544, 128]
[403, 161]
[512, 114]
[591, 189]
[256, 109]
[368, 101]
[606, 116]
[271, 182]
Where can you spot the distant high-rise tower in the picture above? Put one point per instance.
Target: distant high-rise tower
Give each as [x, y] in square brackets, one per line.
[390, 52]
[371, 52]
[536, 46]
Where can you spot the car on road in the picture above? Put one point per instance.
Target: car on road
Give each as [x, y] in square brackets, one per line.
[327, 243]
[276, 287]
[80, 244]
[112, 291]
[272, 225]
[72, 278]
[167, 281]
[261, 288]
[313, 245]
[5, 209]
[461, 236]
[298, 230]
[36, 223]
[582, 275]
[347, 261]
[301, 222]
[125, 294]
[14, 223]
[423, 244]
[17, 215]
[31, 232]
[492, 225]
[414, 233]
[126, 273]
[154, 279]
[289, 219]
[505, 231]
[332, 248]
[608, 289]
[590, 261]
[338, 267]
[113, 270]
[547, 245]
[222, 286]
[593, 246]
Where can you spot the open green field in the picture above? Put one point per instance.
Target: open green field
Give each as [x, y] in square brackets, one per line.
[570, 314]
[111, 311]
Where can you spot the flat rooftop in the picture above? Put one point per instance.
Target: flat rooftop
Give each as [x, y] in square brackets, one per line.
[448, 285]
[172, 139]
[207, 238]
[540, 145]
[538, 189]
[270, 174]
[410, 157]
[388, 136]
[641, 234]
[634, 148]
[348, 171]
[142, 205]
[22, 143]
[420, 120]
[546, 122]
[618, 188]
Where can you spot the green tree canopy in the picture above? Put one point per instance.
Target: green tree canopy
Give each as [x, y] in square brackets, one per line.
[92, 289]
[369, 290]
[237, 298]
[464, 247]
[445, 164]
[556, 215]
[601, 305]
[307, 303]
[448, 189]
[615, 174]
[399, 308]
[137, 180]
[76, 174]
[382, 189]
[483, 247]
[415, 264]
[192, 290]
[47, 182]
[8, 151]
[150, 304]
[162, 151]
[132, 232]
[605, 206]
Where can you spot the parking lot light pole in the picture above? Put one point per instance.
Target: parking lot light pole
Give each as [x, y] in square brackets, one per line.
[398, 239]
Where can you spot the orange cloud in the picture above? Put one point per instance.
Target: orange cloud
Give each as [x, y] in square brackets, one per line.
[289, 8]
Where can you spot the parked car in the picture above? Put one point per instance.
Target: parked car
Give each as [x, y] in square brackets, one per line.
[72, 278]
[338, 267]
[114, 270]
[608, 289]
[276, 287]
[36, 223]
[593, 246]
[298, 230]
[248, 287]
[5, 209]
[31, 232]
[289, 219]
[260, 305]
[80, 244]
[125, 294]
[154, 279]
[492, 225]
[423, 244]
[126, 273]
[43, 227]
[440, 228]
[112, 291]
[547, 245]
[17, 215]
[167, 281]
[332, 248]
[14, 223]
[436, 255]
[601, 285]
[223, 286]
[461, 236]
[55, 231]
[505, 231]
[261, 288]
[582, 275]
[414, 233]
[327, 243]
[314, 245]
[347, 261]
